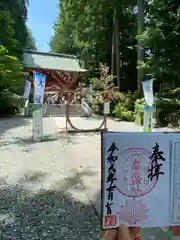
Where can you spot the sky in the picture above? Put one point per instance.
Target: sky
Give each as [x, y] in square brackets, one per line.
[42, 15]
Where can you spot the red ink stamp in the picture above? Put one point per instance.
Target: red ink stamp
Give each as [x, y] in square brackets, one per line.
[133, 211]
[132, 173]
[110, 220]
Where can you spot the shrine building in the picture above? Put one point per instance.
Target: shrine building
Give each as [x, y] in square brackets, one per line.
[63, 72]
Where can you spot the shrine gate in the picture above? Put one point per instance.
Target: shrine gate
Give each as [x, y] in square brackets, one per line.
[63, 73]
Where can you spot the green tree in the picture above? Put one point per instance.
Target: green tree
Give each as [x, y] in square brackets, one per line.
[86, 28]
[11, 82]
[162, 39]
[94, 31]
[11, 72]
[31, 42]
[14, 38]
[7, 32]
[14, 16]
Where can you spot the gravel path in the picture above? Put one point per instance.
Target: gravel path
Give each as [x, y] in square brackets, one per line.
[41, 192]
[85, 150]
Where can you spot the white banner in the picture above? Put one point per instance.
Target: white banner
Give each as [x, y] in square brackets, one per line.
[148, 92]
[27, 89]
[39, 86]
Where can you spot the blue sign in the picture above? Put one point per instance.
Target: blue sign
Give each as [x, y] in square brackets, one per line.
[39, 87]
[39, 79]
[38, 99]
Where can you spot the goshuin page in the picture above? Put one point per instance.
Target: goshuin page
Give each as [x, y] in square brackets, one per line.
[175, 184]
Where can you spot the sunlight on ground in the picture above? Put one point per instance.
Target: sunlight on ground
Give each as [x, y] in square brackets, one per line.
[79, 122]
[35, 182]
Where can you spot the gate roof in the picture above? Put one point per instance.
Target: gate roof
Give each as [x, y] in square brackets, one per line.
[51, 61]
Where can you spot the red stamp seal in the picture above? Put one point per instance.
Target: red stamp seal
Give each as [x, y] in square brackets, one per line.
[132, 173]
[110, 220]
[133, 211]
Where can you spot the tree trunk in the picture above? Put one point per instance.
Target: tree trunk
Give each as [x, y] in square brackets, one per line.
[140, 45]
[116, 24]
[113, 51]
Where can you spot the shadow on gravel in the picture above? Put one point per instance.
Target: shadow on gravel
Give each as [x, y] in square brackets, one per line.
[29, 140]
[46, 214]
[51, 214]
[75, 138]
[26, 144]
[9, 123]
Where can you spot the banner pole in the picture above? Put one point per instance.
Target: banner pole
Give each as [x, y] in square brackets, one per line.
[148, 108]
[148, 112]
[39, 81]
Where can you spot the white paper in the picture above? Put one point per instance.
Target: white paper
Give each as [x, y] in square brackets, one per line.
[106, 108]
[137, 200]
[175, 182]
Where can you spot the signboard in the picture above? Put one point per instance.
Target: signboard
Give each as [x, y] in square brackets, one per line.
[106, 108]
[37, 123]
[27, 89]
[140, 179]
[39, 87]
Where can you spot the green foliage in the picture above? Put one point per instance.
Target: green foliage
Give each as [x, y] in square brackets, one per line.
[10, 104]
[11, 81]
[14, 38]
[85, 28]
[162, 38]
[31, 42]
[168, 108]
[121, 104]
[13, 16]
[103, 89]
[105, 82]
[175, 93]
[124, 107]
[11, 72]
[167, 103]
[7, 32]
[122, 113]
[139, 110]
[15, 35]
[169, 111]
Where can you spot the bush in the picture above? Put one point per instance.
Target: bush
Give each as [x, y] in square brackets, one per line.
[175, 93]
[128, 116]
[169, 110]
[168, 104]
[97, 102]
[121, 104]
[139, 111]
[123, 114]
[124, 108]
[10, 104]
[126, 100]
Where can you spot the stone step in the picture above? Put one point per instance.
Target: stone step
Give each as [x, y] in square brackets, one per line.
[75, 110]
